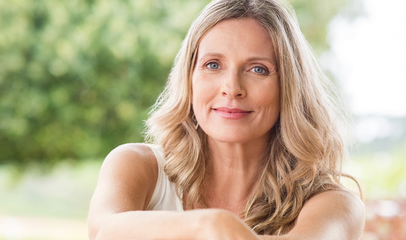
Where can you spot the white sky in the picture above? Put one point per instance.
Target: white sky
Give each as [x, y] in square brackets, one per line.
[368, 56]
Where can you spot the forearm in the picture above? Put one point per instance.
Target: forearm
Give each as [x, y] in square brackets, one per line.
[150, 225]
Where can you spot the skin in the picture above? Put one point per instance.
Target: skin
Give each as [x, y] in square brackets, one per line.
[234, 69]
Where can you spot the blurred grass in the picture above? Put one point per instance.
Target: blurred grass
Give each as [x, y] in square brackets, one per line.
[61, 192]
[381, 174]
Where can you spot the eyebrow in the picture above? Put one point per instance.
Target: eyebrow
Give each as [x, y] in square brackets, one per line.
[262, 59]
[218, 55]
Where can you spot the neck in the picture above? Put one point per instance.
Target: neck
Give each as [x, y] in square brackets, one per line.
[232, 171]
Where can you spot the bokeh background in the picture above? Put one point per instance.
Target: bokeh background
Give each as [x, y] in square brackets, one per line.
[78, 77]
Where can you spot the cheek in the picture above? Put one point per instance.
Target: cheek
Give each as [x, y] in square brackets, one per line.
[203, 90]
[204, 98]
[201, 99]
[268, 96]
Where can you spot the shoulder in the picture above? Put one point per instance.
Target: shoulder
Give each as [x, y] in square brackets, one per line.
[131, 151]
[333, 214]
[337, 199]
[129, 171]
[130, 157]
[126, 182]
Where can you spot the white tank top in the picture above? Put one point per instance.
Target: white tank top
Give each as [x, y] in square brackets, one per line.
[164, 196]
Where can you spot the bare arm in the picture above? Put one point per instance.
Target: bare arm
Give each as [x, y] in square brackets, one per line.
[332, 215]
[126, 182]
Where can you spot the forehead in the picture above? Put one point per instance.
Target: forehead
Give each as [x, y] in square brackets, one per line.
[244, 35]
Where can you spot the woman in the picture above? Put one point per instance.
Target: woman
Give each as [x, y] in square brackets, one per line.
[247, 140]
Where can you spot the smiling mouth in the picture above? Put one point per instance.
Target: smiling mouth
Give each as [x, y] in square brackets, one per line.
[231, 110]
[231, 113]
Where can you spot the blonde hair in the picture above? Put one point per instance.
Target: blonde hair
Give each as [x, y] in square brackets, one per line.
[306, 146]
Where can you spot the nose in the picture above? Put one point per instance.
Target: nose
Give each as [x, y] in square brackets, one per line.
[233, 85]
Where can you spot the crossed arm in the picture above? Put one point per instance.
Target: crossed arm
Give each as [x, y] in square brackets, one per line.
[127, 180]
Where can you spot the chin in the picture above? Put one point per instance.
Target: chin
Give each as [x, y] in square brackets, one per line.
[228, 139]
[231, 136]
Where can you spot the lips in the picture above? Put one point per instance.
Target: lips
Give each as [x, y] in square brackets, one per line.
[231, 113]
[231, 110]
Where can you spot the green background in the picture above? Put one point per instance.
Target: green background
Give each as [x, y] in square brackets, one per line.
[78, 77]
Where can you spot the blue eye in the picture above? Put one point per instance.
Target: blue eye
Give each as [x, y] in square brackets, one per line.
[259, 70]
[213, 65]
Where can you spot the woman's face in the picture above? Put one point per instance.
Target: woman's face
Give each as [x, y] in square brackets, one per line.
[235, 89]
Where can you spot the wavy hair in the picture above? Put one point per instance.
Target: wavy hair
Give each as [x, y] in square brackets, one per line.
[307, 143]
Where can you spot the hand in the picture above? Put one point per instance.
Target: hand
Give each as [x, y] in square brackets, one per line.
[219, 224]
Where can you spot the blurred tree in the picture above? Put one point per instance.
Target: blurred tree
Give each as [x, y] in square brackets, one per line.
[77, 77]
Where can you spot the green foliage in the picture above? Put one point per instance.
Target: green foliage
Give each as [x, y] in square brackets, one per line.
[77, 77]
